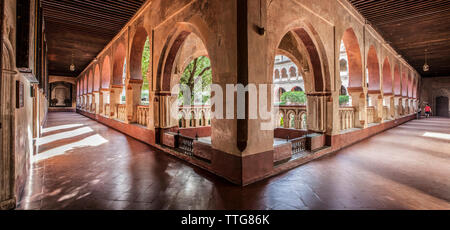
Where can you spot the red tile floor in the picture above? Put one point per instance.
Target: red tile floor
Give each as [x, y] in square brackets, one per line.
[85, 165]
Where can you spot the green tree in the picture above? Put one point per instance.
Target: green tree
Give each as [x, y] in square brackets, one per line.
[293, 97]
[145, 63]
[344, 99]
[198, 69]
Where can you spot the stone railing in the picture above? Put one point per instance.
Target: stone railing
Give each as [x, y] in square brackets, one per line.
[370, 114]
[185, 144]
[107, 110]
[194, 116]
[121, 111]
[294, 116]
[298, 145]
[346, 118]
[143, 112]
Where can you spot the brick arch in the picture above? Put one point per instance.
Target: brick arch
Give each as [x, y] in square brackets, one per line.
[397, 81]
[410, 85]
[119, 61]
[137, 49]
[354, 57]
[404, 84]
[90, 81]
[78, 88]
[106, 73]
[415, 86]
[316, 65]
[175, 42]
[387, 77]
[85, 84]
[97, 78]
[320, 78]
[373, 67]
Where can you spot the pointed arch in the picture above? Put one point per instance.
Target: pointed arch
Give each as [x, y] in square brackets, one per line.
[387, 77]
[405, 83]
[90, 82]
[354, 57]
[397, 81]
[97, 78]
[373, 69]
[118, 65]
[137, 49]
[175, 42]
[106, 73]
[85, 84]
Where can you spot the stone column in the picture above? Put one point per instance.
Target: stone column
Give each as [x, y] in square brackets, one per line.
[114, 100]
[377, 101]
[412, 108]
[104, 99]
[90, 102]
[133, 99]
[151, 112]
[388, 100]
[406, 107]
[359, 102]
[84, 102]
[397, 106]
[100, 104]
[95, 99]
[168, 111]
[316, 113]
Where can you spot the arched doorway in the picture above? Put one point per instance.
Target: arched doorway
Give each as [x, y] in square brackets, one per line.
[105, 87]
[184, 77]
[442, 107]
[118, 91]
[298, 109]
[351, 77]
[138, 84]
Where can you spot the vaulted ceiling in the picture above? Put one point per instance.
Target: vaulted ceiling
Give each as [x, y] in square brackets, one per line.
[84, 28]
[413, 27]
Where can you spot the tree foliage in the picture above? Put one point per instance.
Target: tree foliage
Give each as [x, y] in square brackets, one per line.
[145, 64]
[293, 97]
[198, 78]
[344, 99]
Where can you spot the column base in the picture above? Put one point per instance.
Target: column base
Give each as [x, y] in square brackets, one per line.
[8, 204]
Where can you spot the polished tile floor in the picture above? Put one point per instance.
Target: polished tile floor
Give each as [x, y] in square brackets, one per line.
[85, 165]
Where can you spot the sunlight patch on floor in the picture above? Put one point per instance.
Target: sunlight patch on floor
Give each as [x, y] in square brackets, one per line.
[55, 128]
[92, 141]
[64, 135]
[442, 136]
